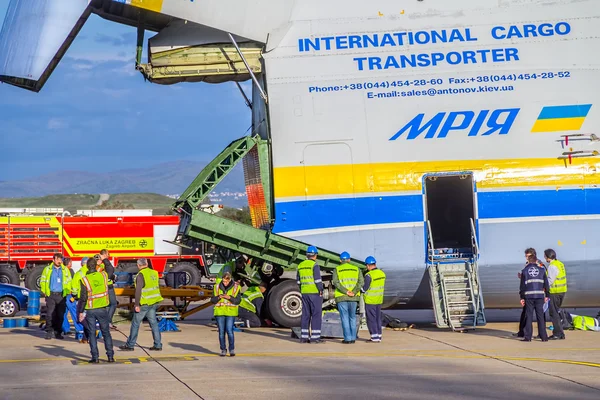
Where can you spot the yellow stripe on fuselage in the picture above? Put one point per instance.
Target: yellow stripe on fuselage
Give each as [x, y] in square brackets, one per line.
[558, 124]
[152, 5]
[325, 180]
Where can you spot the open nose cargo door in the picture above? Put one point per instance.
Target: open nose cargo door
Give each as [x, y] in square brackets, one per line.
[35, 36]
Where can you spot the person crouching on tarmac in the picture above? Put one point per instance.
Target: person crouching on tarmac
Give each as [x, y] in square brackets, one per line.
[93, 306]
[311, 288]
[348, 282]
[533, 292]
[251, 305]
[226, 298]
[147, 300]
[373, 290]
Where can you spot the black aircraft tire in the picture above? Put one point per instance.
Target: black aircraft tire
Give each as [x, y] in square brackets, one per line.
[285, 304]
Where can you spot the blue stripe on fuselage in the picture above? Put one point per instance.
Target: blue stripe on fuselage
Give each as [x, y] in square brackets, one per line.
[336, 213]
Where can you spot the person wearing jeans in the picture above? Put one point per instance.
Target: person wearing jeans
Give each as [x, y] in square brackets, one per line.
[348, 281]
[226, 298]
[147, 300]
[148, 312]
[93, 307]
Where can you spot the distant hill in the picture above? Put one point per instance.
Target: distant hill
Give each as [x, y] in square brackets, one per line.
[72, 202]
[170, 178]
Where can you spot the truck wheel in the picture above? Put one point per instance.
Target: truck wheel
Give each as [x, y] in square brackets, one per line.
[192, 274]
[32, 282]
[8, 306]
[8, 274]
[285, 304]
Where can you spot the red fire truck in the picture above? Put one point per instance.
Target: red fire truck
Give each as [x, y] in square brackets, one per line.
[28, 242]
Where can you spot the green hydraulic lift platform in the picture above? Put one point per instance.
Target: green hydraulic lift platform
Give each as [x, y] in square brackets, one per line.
[259, 244]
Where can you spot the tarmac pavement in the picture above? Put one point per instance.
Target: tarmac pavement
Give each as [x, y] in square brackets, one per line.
[423, 363]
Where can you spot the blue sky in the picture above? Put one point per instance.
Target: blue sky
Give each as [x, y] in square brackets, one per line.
[97, 114]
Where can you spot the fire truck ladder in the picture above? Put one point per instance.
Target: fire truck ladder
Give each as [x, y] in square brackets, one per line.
[258, 244]
[455, 288]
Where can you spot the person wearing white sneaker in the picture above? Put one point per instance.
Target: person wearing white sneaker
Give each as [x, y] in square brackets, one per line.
[373, 290]
[226, 298]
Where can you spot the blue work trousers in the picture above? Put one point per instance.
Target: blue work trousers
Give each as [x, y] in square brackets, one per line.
[225, 325]
[71, 309]
[347, 311]
[373, 312]
[150, 313]
[312, 316]
[99, 315]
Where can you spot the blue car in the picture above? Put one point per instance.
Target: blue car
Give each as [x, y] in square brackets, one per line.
[13, 298]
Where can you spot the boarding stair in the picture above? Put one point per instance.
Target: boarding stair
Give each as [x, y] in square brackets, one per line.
[258, 243]
[455, 287]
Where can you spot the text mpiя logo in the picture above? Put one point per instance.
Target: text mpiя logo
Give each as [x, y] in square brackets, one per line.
[471, 123]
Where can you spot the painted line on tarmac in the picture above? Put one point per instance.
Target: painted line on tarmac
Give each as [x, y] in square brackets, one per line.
[198, 356]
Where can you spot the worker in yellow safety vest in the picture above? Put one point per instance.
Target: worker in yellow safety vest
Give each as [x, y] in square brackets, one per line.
[147, 300]
[226, 298]
[232, 266]
[93, 307]
[557, 278]
[308, 278]
[583, 323]
[348, 282]
[251, 305]
[373, 290]
[55, 284]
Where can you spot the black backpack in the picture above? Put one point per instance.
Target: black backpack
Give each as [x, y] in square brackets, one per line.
[392, 322]
[566, 320]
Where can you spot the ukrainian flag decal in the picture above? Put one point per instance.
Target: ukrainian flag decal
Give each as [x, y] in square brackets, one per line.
[561, 118]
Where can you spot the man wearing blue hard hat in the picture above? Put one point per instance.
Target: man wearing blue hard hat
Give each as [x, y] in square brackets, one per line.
[311, 288]
[373, 295]
[348, 282]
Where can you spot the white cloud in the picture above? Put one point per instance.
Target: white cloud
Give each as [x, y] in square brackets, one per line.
[82, 67]
[115, 93]
[99, 57]
[55, 124]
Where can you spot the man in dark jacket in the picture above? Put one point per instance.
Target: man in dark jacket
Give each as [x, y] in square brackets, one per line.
[529, 252]
[534, 292]
[110, 270]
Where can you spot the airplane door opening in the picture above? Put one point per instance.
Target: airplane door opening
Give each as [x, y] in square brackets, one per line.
[449, 209]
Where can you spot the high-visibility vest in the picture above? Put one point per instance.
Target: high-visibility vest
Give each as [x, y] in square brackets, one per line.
[151, 290]
[347, 274]
[249, 296]
[225, 308]
[45, 280]
[102, 268]
[96, 284]
[307, 277]
[76, 282]
[374, 295]
[560, 283]
[582, 323]
[228, 265]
